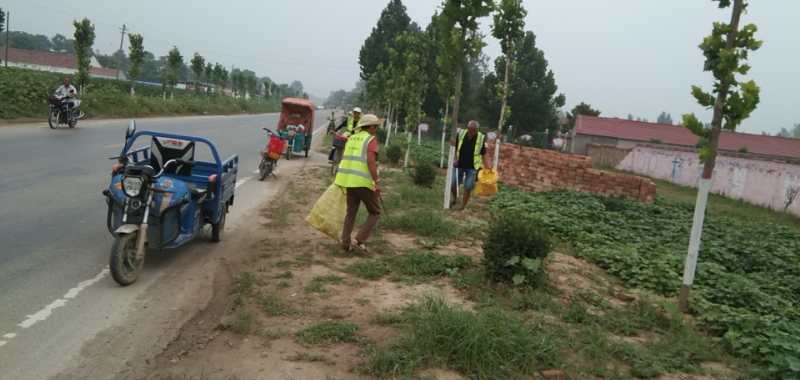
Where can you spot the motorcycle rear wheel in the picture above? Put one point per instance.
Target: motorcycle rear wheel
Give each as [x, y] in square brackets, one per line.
[124, 267]
[216, 229]
[264, 168]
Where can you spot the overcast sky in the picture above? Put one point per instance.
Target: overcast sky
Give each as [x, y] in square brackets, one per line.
[621, 56]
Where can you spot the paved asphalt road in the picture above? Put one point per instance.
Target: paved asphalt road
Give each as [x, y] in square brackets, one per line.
[54, 244]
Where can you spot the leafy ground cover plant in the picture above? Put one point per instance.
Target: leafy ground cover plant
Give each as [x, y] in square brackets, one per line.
[748, 280]
[515, 249]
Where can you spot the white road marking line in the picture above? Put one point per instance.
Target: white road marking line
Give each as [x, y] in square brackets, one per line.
[47, 311]
[242, 182]
[2, 343]
[9, 336]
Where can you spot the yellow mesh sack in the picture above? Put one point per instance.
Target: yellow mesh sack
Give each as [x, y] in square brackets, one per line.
[328, 213]
[487, 183]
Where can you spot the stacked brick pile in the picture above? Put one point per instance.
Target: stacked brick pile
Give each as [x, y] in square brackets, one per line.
[538, 170]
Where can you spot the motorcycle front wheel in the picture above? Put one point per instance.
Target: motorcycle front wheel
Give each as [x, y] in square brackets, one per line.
[52, 120]
[125, 268]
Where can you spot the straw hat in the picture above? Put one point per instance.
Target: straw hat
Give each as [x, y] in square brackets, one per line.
[369, 120]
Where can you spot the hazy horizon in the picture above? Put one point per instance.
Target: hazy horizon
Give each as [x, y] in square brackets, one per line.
[634, 57]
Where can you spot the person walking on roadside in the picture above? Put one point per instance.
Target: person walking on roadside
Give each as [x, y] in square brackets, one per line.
[358, 174]
[470, 156]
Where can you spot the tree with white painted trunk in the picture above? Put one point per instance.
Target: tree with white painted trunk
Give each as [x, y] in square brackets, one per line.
[725, 50]
[461, 39]
[509, 22]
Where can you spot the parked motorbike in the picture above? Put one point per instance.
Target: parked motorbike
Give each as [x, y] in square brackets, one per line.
[270, 155]
[61, 113]
[160, 197]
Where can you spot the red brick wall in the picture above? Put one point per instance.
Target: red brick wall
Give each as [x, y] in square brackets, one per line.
[537, 170]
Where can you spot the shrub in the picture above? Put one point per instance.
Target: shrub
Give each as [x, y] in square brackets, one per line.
[515, 249]
[394, 153]
[424, 174]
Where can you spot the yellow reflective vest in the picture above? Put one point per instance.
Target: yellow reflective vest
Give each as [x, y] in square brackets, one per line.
[353, 169]
[477, 157]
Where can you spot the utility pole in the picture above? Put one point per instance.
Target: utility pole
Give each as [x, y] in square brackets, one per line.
[8, 30]
[122, 53]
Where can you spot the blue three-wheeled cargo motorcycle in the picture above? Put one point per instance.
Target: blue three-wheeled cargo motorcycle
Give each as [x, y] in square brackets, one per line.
[160, 197]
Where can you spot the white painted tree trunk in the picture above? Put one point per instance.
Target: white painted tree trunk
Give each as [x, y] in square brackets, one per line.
[449, 180]
[389, 127]
[419, 136]
[441, 153]
[689, 268]
[408, 149]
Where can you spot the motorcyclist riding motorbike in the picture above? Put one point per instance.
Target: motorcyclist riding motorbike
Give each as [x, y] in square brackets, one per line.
[349, 125]
[64, 106]
[67, 92]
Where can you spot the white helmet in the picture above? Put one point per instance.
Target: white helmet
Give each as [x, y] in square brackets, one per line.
[357, 110]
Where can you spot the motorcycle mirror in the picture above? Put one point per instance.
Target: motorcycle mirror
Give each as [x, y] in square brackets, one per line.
[131, 129]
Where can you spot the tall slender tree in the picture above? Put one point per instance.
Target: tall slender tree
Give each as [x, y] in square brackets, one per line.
[725, 50]
[208, 74]
[461, 40]
[136, 56]
[2, 21]
[375, 51]
[174, 64]
[198, 66]
[509, 22]
[84, 39]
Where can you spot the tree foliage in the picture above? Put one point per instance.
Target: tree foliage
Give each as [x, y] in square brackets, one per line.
[664, 118]
[375, 51]
[407, 67]
[84, 39]
[731, 99]
[794, 132]
[198, 66]
[2, 20]
[135, 55]
[581, 109]
[174, 63]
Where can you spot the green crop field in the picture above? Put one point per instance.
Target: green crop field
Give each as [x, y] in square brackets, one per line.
[747, 288]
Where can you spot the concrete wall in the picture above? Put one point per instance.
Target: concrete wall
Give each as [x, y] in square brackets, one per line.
[537, 170]
[606, 156]
[763, 182]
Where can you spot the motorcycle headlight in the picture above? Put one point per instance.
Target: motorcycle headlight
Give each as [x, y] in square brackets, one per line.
[132, 186]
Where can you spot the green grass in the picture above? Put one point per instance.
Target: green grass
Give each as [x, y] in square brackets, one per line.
[317, 284]
[723, 206]
[427, 223]
[489, 344]
[274, 306]
[242, 323]
[329, 333]
[309, 358]
[412, 266]
[242, 287]
[369, 269]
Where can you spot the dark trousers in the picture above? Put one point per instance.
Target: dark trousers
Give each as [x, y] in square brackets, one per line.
[356, 196]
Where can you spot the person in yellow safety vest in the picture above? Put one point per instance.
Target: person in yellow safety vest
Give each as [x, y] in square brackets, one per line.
[358, 174]
[352, 121]
[470, 157]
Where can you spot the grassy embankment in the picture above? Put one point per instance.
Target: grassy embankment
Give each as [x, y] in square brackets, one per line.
[24, 93]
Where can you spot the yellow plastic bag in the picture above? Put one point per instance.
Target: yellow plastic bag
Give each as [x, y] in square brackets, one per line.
[487, 183]
[328, 213]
